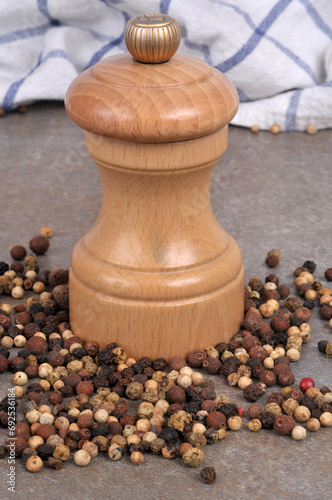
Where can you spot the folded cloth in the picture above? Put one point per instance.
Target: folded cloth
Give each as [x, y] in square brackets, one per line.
[278, 53]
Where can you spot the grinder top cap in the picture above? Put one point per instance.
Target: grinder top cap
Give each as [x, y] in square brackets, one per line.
[152, 95]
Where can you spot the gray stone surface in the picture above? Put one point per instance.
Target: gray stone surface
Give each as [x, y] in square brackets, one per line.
[268, 192]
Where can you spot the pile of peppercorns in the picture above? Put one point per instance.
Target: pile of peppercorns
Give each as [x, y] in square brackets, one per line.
[90, 389]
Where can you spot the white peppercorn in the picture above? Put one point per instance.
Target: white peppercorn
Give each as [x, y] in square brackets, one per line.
[20, 378]
[137, 458]
[326, 419]
[299, 433]
[82, 458]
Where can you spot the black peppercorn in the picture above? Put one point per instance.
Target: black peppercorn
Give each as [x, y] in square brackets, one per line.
[169, 435]
[221, 347]
[27, 453]
[322, 346]
[208, 475]
[54, 463]
[193, 407]
[254, 391]
[145, 362]
[61, 296]
[309, 304]
[18, 267]
[105, 357]
[159, 364]
[229, 410]
[5, 352]
[45, 451]
[326, 311]
[267, 419]
[3, 267]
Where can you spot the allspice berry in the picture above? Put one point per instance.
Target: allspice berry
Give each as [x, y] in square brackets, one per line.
[34, 463]
[283, 424]
[39, 245]
[255, 410]
[176, 395]
[216, 419]
[196, 358]
[176, 363]
[272, 260]
[18, 252]
[328, 274]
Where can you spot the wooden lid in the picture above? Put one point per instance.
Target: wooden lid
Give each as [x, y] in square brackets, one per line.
[180, 99]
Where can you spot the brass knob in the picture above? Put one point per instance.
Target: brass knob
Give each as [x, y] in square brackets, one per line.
[152, 38]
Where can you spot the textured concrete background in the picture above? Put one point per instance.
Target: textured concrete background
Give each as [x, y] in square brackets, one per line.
[267, 192]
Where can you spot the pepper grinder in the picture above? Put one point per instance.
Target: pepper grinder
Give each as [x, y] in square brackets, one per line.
[156, 273]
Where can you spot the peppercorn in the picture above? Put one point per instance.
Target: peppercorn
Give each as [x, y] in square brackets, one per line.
[285, 377]
[234, 423]
[193, 457]
[267, 377]
[328, 274]
[212, 366]
[208, 475]
[283, 425]
[39, 245]
[326, 419]
[272, 260]
[322, 346]
[299, 433]
[196, 358]
[255, 410]
[254, 391]
[34, 463]
[82, 458]
[313, 424]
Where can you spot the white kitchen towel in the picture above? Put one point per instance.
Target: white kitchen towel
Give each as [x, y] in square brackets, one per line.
[278, 53]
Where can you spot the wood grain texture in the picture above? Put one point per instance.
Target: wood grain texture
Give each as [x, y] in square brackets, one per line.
[156, 273]
[181, 99]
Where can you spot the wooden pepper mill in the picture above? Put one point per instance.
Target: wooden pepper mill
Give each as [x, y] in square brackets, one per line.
[156, 273]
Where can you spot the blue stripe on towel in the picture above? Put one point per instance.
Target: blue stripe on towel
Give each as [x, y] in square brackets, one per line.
[109, 45]
[290, 120]
[164, 6]
[8, 102]
[302, 64]
[201, 47]
[43, 7]
[255, 38]
[26, 33]
[315, 16]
